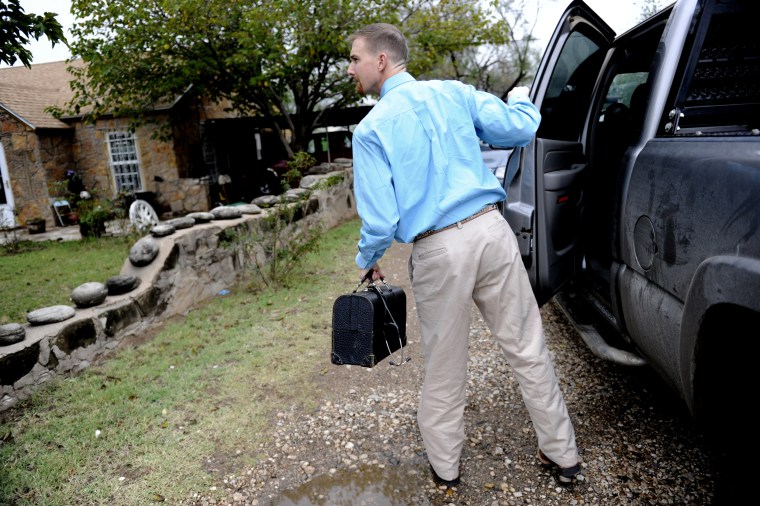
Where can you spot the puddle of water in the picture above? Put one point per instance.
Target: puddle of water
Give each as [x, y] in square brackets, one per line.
[389, 486]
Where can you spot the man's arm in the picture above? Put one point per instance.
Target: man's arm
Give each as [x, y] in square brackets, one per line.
[502, 124]
[375, 200]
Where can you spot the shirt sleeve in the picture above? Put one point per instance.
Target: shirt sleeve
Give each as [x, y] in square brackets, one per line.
[375, 199]
[502, 124]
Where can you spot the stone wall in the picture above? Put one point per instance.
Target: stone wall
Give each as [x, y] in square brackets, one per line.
[185, 195]
[191, 266]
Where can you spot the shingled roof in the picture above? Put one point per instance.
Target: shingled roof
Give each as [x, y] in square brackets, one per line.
[26, 92]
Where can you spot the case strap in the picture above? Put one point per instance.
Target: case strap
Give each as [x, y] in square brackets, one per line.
[404, 359]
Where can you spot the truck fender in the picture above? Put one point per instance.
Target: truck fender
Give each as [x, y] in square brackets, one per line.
[723, 279]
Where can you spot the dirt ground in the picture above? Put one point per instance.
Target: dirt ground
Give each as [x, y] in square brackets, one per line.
[362, 446]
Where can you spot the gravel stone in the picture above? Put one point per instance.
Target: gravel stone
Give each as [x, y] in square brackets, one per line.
[51, 314]
[89, 294]
[201, 217]
[637, 443]
[249, 209]
[180, 223]
[118, 285]
[294, 194]
[144, 251]
[163, 230]
[264, 201]
[226, 213]
[11, 333]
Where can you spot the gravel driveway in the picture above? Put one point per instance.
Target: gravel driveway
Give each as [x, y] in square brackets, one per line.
[637, 442]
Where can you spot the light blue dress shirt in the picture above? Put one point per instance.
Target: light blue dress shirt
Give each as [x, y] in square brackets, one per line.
[417, 160]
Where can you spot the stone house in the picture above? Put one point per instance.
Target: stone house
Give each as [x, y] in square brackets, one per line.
[212, 157]
[37, 150]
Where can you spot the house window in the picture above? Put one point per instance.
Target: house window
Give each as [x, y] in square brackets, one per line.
[126, 167]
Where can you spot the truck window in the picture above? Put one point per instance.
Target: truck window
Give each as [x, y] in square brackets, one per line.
[622, 88]
[624, 106]
[569, 90]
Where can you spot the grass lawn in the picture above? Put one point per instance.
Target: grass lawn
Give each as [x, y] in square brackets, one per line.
[138, 427]
[44, 273]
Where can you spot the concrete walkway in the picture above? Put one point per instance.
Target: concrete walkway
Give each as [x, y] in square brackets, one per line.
[68, 233]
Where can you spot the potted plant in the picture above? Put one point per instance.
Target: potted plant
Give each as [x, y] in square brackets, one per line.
[35, 225]
[298, 166]
[93, 213]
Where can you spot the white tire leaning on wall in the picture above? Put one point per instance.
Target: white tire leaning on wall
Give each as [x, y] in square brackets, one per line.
[142, 216]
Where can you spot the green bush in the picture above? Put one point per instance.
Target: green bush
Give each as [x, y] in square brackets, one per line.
[298, 167]
[275, 250]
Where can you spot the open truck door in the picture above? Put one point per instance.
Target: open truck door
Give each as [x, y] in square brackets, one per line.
[544, 179]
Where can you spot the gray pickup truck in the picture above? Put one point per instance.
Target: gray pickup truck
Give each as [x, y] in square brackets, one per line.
[637, 205]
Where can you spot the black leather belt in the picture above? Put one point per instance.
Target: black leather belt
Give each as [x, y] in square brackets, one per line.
[489, 207]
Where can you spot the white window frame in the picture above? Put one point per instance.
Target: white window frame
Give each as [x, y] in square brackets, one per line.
[125, 161]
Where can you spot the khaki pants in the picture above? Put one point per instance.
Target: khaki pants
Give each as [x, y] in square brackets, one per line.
[480, 261]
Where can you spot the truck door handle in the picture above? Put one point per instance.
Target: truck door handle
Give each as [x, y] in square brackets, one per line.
[563, 178]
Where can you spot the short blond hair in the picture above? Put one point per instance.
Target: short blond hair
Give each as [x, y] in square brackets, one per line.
[384, 37]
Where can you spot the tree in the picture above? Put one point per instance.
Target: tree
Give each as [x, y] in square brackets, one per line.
[649, 8]
[281, 59]
[507, 56]
[17, 27]
[515, 62]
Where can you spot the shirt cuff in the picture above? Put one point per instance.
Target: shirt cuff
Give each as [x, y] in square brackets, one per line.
[362, 262]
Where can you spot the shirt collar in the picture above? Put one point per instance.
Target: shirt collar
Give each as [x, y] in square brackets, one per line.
[395, 80]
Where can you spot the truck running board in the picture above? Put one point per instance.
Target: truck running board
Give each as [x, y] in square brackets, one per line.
[596, 342]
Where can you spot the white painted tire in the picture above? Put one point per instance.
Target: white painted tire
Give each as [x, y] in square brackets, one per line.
[142, 216]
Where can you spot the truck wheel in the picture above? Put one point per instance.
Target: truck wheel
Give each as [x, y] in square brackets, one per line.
[725, 385]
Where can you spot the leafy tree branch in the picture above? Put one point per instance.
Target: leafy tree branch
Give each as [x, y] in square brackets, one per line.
[18, 28]
[283, 60]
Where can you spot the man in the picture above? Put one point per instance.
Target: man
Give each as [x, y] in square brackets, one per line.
[419, 177]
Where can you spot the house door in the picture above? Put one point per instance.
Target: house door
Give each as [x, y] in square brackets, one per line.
[7, 217]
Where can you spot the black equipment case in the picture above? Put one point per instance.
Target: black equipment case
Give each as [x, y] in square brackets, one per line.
[369, 325]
